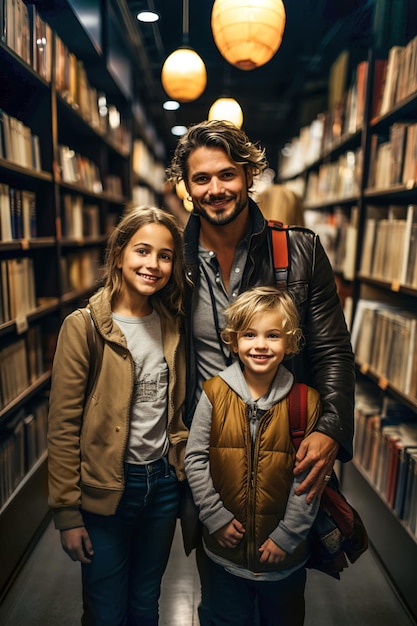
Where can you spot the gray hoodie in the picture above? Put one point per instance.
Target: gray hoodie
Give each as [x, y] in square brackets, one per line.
[299, 516]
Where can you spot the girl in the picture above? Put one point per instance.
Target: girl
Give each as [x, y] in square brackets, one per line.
[116, 457]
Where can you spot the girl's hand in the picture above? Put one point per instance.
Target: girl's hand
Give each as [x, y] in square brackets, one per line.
[271, 553]
[230, 535]
[76, 543]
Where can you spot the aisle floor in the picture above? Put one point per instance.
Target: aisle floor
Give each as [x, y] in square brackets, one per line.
[47, 592]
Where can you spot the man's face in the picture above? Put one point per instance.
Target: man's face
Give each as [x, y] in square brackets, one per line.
[217, 185]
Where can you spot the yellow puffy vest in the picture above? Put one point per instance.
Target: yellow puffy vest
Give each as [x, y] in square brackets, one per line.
[253, 480]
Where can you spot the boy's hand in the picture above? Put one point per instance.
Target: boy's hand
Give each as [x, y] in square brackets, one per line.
[271, 553]
[318, 452]
[77, 544]
[230, 535]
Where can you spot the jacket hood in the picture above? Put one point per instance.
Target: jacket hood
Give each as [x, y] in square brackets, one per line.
[280, 387]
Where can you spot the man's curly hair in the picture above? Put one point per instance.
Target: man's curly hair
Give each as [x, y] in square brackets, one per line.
[216, 134]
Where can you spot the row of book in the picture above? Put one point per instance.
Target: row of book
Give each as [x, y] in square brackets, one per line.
[385, 446]
[17, 213]
[24, 443]
[80, 270]
[79, 170]
[384, 339]
[335, 180]
[395, 79]
[344, 117]
[74, 87]
[21, 364]
[17, 288]
[146, 167]
[390, 244]
[338, 232]
[72, 84]
[80, 219]
[27, 34]
[18, 144]
[394, 161]
[142, 196]
[399, 77]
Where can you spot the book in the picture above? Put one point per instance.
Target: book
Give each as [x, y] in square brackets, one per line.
[410, 506]
[349, 261]
[34, 353]
[403, 467]
[31, 453]
[29, 214]
[6, 231]
[373, 214]
[361, 81]
[409, 171]
[380, 73]
[398, 136]
[389, 95]
[408, 250]
[4, 286]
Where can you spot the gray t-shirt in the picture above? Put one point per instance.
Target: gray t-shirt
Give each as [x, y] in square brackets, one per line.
[148, 440]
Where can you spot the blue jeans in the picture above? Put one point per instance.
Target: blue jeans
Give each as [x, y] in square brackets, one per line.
[121, 586]
[233, 599]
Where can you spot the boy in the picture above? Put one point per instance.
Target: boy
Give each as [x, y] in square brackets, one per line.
[239, 463]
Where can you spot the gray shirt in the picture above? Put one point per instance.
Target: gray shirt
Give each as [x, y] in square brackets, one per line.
[210, 353]
[148, 440]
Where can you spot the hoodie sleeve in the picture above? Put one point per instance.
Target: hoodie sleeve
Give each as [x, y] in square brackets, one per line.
[299, 516]
[212, 512]
[298, 519]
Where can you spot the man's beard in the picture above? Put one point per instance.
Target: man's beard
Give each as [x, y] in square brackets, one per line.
[221, 219]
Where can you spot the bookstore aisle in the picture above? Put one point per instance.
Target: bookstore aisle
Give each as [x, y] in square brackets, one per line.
[47, 592]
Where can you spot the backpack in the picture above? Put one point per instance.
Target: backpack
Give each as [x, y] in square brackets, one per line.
[95, 348]
[279, 233]
[338, 533]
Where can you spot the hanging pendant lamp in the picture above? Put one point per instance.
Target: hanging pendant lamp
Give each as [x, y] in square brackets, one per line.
[226, 109]
[184, 75]
[248, 32]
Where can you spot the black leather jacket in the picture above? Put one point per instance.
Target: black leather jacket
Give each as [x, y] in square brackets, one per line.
[327, 361]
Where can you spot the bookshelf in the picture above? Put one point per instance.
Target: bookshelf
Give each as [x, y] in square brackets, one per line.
[65, 177]
[360, 186]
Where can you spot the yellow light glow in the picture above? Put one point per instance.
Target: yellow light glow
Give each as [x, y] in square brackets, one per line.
[184, 75]
[248, 32]
[226, 109]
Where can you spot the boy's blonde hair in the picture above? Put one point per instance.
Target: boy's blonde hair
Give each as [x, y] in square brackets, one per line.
[240, 314]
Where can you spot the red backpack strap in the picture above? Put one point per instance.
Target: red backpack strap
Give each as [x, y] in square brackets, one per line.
[280, 252]
[297, 409]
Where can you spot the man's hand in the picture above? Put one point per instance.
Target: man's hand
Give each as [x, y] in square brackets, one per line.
[318, 452]
[271, 553]
[230, 535]
[76, 543]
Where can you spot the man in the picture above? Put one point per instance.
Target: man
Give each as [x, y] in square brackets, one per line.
[228, 249]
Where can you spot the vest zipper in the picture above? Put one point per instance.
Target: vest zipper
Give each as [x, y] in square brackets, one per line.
[254, 455]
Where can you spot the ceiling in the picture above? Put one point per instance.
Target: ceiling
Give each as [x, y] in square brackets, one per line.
[277, 98]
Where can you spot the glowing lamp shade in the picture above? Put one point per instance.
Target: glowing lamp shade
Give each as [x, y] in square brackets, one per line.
[184, 75]
[182, 193]
[226, 109]
[248, 32]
